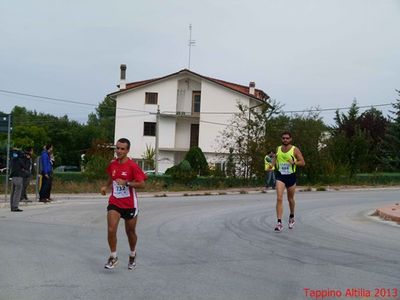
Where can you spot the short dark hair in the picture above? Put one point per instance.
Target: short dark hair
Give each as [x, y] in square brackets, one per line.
[125, 141]
[28, 149]
[286, 132]
[48, 146]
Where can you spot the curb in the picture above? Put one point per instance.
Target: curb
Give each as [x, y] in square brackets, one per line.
[389, 213]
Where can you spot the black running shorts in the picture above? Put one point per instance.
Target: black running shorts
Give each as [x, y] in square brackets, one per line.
[288, 180]
[126, 213]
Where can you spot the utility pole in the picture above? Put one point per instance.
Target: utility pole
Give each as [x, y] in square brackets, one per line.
[8, 156]
[157, 135]
[191, 43]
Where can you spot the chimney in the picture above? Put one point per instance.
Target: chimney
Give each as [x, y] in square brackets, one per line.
[252, 88]
[122, 83]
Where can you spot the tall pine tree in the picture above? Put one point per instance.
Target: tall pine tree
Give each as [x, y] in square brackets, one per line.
[391, 145]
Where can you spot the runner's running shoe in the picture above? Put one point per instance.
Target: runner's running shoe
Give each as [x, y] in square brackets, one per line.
[111, 263]
[278, 227]
[132, 262]
[291, 223]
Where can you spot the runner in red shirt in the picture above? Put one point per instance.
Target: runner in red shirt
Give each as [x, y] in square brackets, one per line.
[125, 176]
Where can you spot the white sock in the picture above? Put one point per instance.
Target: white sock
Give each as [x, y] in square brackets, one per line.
[114, 254]
[133, 253]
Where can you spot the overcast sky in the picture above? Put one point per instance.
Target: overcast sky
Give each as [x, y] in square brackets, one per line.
[303, 53]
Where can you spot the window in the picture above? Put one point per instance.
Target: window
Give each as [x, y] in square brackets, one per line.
[151, 98]
[196, 102]
[149, 129]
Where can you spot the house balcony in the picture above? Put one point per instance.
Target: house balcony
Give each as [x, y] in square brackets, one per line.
[180, 114]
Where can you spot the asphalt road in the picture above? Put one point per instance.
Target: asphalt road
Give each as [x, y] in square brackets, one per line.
[204, 247]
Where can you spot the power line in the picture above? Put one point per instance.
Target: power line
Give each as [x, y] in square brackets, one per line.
[47, 98]
[201, 113]
[337, 108]
[292, 111]
[33, 121]
[66, 100]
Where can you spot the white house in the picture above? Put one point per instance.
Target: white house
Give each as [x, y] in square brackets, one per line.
[193, 111]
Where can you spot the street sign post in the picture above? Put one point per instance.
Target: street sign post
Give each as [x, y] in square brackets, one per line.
[4, 123]
[5, 126]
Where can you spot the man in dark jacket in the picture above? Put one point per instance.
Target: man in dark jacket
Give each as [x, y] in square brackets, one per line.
[18, 172]
[28, 166]
[46, 172]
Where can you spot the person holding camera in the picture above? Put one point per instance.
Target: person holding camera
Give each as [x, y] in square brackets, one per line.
[17, 174]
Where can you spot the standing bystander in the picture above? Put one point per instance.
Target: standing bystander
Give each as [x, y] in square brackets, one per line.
[18, 172]
[28, 176]
[270, 170]
[47, 173]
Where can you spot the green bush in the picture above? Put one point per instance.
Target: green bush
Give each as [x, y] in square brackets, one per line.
[202, 182]
[182, 173]
[70, 177]
[96, 167]
[197, 161]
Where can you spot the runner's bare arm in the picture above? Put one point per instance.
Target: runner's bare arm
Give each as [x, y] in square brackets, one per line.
[135, 184]
[104, 188]
[299, 158]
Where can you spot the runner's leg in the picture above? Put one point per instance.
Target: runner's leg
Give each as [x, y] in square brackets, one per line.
[113, 218]
[280, 188]
[130, 228]
[290, 195]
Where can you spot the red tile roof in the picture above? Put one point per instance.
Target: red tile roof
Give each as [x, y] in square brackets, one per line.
[241, 88]
[258, 94]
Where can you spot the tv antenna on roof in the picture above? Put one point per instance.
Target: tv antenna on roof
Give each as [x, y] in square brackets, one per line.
[191, 43]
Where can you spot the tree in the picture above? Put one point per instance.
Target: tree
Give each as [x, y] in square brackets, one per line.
[32, 136]
[230, 164]
[103, 121]
[374, 124]
[391, 145]
[182, 173]
[308, 133]
[245, 138]
[70, 138]
[97, 159]
[197, 161]
[250, 139]
[149, 156]
[349, 145]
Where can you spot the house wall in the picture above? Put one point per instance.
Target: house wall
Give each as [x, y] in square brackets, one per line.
[166, 133]
[186, 86]
[182, 134]
[129, 123]
[215, 98]
[166, 159]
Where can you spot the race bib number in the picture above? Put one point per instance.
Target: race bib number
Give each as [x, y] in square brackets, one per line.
[284, 168]
[120, 191]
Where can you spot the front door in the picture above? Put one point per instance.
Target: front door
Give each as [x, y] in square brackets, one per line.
[194, 135]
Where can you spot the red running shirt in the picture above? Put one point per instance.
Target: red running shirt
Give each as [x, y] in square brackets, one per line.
[124, 196]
